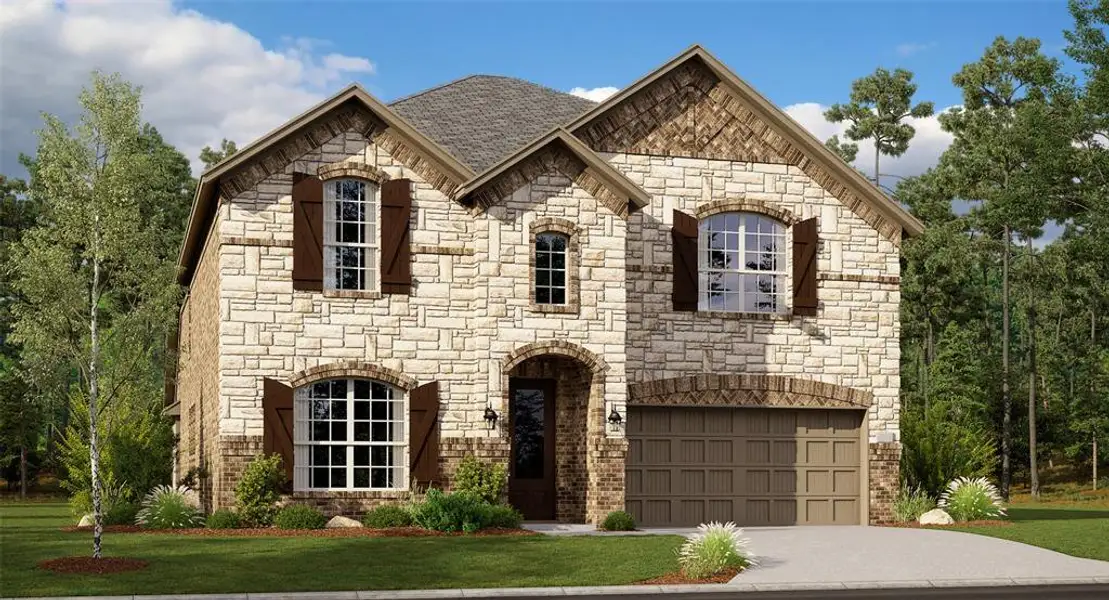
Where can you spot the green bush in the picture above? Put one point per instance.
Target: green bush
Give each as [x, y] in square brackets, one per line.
[458, 511]
[618, 520]
[387, 515]
[910, 503]
[714, 548]
[258, 490]
[299, 516]
[122, 513]
[504, 517]
[972, 500]
[223, 519]
[115, 506]
[937, 448]
[168, 508]
[486, 481]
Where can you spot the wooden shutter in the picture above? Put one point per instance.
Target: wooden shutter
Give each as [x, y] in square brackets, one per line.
[423, 435]
[396, 252]
[277, 422]
[804, 268]
[170, 367]
[684, 236]
[307, 232]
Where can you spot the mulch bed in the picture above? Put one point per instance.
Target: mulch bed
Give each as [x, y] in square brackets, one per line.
[676, 578]
[342, 532]
[986, 523]
[88, 564]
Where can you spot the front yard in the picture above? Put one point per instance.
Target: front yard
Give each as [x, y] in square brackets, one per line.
[30, 532]
[1076, 529]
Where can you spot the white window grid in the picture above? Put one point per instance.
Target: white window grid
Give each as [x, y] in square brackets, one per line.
[741, 264]
[550, 267]
[349, 434]
[350, 235]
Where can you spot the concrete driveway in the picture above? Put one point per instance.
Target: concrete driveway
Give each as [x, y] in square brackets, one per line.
[837, 554]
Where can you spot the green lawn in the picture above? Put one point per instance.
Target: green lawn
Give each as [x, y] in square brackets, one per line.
[190, 564]
[1071, 529]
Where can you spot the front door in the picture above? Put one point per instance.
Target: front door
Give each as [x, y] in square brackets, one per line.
[531, 483]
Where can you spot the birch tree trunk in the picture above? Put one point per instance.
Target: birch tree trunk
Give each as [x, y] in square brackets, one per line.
[94, 391]
[1006, 398]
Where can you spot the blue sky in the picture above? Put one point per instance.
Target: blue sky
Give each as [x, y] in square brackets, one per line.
[791, 51]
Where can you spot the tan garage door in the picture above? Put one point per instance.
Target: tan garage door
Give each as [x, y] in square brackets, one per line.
[754, 466]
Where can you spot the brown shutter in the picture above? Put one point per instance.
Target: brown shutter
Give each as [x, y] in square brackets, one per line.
[684, 236]
[277, 422]
[804, 268]
[423, 437]
[396, 253]
[307, 232]
[170, 368]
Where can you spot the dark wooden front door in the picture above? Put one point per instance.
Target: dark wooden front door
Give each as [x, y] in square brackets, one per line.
[531, 485]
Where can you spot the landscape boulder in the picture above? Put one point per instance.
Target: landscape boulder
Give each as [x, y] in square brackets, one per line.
[86, 521]
[340, 521]
[936, 516]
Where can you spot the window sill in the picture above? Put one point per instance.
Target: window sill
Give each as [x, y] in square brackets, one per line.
[350, 494]
[364, 294]
[746, 316]
[554, 308]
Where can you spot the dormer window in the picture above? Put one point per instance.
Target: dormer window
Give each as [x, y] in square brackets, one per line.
[350, 235]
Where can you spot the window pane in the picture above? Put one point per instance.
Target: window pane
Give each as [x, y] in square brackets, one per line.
[558, 278]
[731, 222]
[558, 243]
[362, 432]
[362, 478]
[339, 409]
[338, 455]
[361, 409]
[542, 242]
[339, 478]
[320, 431]
[542, 277]
[558, 261]
[320, 408]
[339, 432]
[542, 260]
[320, 390]
[378, 412]
[338, 388]
[543, 295]
[319, 478]
[558, 296]
[380, 391]
[381, 456]
[319, 455]
[380, 432]
[379, 478]
[361, 456]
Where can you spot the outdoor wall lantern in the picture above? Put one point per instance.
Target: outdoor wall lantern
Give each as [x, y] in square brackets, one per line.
[614, 419]
[490, 417]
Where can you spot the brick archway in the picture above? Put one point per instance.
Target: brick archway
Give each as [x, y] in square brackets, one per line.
[742, 204]
[359, 369]
[746, 390]
[594, 363]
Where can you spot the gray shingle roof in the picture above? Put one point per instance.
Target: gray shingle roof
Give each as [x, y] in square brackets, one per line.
[481, 119]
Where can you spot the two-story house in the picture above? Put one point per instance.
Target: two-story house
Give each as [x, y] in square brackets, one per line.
[676, 301]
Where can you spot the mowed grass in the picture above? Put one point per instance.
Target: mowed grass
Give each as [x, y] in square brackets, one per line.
[30, 532]
[1076, 529]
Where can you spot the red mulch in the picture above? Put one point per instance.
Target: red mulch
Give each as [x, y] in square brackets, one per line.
[676, 578]
[986, 523]
[88, 564]
[342, 532]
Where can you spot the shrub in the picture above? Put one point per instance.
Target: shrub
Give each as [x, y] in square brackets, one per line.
[387, 515]
[972, 500]
[712, 549]
[505, 517]
[910, 503]
[115, 505]
[486, 481]
[258, 490]
[299, 516]
[168, 507]
[937, 448]
[121, 513]
[223, 519]
[618, 520]
[458, 511]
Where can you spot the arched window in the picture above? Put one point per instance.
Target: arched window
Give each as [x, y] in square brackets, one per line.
[350, 235]
[742, 263]
[350, 435]
[550, 267]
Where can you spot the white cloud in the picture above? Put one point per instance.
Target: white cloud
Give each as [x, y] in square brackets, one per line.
[911, 48]
[202, 79]
[924, 150]
[594, 94]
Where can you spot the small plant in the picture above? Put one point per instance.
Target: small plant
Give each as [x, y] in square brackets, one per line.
[457, 511]
[223, 519]
[504, 517]
[972, 500]
[258, 490]
[487, 481]
[618, 520]
[387, 515]
[121, 513]
[910, 503]
[714, 548]
[116, 505]
[168, 507]
[194, 477]
[299, 516]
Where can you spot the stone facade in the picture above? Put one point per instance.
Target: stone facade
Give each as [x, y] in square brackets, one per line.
[471, 323]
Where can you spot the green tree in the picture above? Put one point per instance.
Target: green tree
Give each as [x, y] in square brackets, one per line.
[210, 157]
[879, 103]
[95, 292]
[845, 150]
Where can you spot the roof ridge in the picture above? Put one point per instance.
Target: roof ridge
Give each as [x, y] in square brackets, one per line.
[474, 75]
[434, 87]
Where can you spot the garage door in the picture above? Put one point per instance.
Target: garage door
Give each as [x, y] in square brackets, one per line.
[754, 466]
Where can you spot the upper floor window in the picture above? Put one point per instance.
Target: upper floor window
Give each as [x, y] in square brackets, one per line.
[349, 435]
[350, 235]
[550, 268]
[741, 263]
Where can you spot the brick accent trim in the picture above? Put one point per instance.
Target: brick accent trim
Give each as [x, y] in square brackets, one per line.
[879, 279]
[742, 204]
[406, 154]
[352, 170]
[362, 294]
[352, 369]
[592, 361]
[448, 250]
[229, 240]
[709, 389]
[884, 472]
[573, 262]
